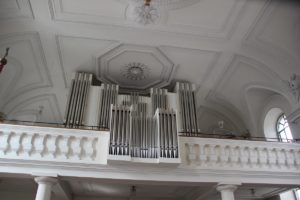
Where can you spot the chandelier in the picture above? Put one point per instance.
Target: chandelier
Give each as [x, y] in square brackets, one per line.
[149, 11]
[146, 13]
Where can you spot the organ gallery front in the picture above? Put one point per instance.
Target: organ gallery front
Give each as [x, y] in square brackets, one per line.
[141, 124]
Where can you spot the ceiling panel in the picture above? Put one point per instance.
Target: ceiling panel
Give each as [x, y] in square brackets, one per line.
[27, 69]
[79, 53]
[12, 9]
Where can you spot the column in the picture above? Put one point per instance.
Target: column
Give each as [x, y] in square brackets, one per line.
[227, 191]
[44, 187]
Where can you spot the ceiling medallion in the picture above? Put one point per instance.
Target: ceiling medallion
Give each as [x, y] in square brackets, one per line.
[135, 71]
[146, 13]
[169, 4]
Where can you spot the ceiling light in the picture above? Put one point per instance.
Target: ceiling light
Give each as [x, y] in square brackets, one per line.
[146, 13]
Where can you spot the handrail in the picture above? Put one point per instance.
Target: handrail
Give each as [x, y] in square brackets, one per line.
[53, 125]
[236, 137]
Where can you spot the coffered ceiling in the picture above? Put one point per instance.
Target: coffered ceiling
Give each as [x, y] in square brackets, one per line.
[238, 53]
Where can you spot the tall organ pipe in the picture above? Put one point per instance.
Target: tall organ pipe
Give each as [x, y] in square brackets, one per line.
[76, 103]
[141, 126]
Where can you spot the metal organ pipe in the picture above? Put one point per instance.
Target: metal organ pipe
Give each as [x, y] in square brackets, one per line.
[187, 108]
[76, 103]
[141, 126]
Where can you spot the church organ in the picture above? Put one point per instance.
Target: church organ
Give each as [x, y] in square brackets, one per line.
[140, 126]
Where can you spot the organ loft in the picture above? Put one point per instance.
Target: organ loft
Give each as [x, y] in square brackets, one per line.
[142, 125]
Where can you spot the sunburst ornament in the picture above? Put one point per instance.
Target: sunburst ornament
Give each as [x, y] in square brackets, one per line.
[135, 71]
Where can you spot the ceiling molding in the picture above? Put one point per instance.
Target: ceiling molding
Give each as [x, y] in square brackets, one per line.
[15, 9]
[238, 59]
[271, 81]
[94, 55]
[23, 107]
[7, 86]
[210, 66]
[204, 111]
[33, 47]
[254, 36]
[217, 102]
[160, 73]
[224, 31]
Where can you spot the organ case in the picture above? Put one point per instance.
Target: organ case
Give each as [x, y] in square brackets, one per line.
[141, 127]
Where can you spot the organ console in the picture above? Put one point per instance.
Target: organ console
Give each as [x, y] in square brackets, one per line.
[140, 126]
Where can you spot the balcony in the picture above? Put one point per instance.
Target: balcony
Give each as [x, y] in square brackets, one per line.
[29, 149]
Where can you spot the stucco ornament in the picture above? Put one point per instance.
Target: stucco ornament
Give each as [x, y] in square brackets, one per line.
[294, 85]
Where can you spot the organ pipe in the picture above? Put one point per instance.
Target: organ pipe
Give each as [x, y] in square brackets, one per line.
[140, 126]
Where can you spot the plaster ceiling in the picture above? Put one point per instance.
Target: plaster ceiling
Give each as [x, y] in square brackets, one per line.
[89, 189]
[224, 47]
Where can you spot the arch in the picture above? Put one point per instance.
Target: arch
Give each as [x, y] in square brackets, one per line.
[270, 120]
[259, 99]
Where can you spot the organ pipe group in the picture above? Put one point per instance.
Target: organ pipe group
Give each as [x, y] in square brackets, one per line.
[142, 126]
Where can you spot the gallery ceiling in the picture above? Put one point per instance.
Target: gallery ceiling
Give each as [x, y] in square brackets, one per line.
[91, 189]
[238, 53]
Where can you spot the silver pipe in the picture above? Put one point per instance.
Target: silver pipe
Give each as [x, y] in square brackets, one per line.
[190, 103]
[134, 130]
[175, 142]
[156, 142]
[108, 104]
[79, 100]
[115, 130]
[85, 94]
[156, 97]
[67, 111]
[145, 129]
[166, 132]
[170, 134]
[112, 131]
[74, 101]
[119, 131]
[102, 105]
[123, 129]
[182, 113]
[195, 111]
[148, 140]
[186, 109]
[161, 130]
[110, 101]
[127, 131]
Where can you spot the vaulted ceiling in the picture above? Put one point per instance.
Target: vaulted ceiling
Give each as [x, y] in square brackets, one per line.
[238, 53]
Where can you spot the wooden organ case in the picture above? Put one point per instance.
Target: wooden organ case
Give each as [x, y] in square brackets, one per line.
[142, 127]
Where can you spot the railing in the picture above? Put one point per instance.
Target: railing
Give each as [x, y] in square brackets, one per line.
[237, 137]
[53, 144]
[54, 125]
[220, 154]
[67, 145]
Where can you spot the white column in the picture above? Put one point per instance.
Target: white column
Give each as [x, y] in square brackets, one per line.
[227, 191]
[44, 187]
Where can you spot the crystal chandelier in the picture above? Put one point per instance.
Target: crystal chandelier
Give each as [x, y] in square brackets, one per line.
[146, 13]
